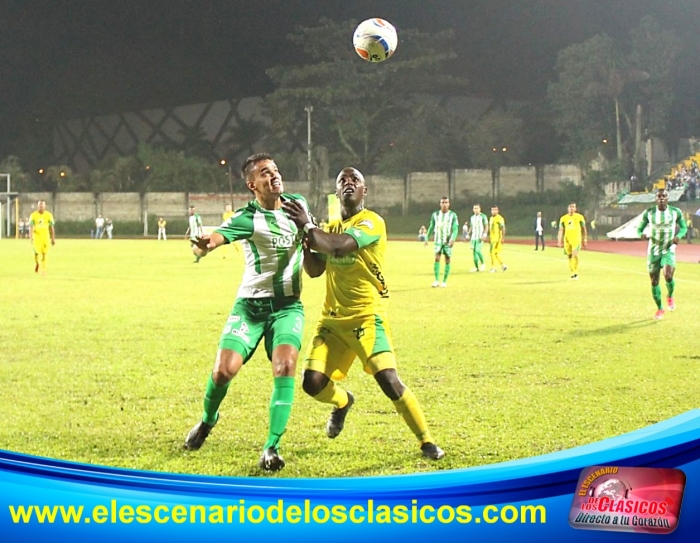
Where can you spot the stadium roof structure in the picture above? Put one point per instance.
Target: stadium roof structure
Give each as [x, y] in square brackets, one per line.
[650, 197]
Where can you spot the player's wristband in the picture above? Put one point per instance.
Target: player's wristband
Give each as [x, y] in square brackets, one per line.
[308, 226]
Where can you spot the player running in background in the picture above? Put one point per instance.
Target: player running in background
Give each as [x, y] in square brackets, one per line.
[478, 227]
[41, 234]
[572, 231]
[353, 321]
[666, 226]
[267, 304]
[497, 236]
[194, 232]
[444, 226]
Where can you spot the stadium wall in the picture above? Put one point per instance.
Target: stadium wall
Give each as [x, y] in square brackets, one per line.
[395, 193]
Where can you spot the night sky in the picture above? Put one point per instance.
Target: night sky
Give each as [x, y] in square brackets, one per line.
[62, 59]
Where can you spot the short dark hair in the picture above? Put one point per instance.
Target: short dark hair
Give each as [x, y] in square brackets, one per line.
[251, 161]
[444, 198]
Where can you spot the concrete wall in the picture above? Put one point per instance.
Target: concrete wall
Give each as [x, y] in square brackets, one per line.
[515, 180]
[470, 183]
[427, 187]
[383, 193]
[555, 175]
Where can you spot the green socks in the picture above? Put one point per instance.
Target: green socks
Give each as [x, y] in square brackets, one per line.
[280, 409]
[280, 406]
[656, 294]
[447, 272]
[671, 286]
[436, 270]
[213, 397]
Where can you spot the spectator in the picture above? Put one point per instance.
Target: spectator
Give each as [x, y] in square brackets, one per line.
[21, 227]
[99, 226]
[423, 233]
[539, 231]
[555, 229]
[594, 229]
[161, 229]
[108, 228]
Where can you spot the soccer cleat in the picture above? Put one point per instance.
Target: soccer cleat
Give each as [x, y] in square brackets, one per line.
[336, 422]
[436, 284]
[443, 284]
[432, 451]
[659, 314]
[482, 267]
[504, 267]
[474, 270]
[271, 460]
[574, 277]
[195, 439]
[671, 304]
[492, 270]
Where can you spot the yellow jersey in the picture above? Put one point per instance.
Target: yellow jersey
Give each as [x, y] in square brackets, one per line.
[355, 283]
[41, 222]
[497, 226]
[227, 215]
[572, 227]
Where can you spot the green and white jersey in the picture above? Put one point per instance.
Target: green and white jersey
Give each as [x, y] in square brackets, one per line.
[272, 246]
[195, 226]
[444, 226]
[478, 226]
[663, 227]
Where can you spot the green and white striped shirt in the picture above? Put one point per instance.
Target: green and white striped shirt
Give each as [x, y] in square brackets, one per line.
[478, 226]
[195, 226]
[445, 227]
[272, 247]
[662, 229]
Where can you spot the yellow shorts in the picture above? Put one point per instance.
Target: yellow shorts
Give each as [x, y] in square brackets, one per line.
[337, 343]
[571, 248]
[41, 245]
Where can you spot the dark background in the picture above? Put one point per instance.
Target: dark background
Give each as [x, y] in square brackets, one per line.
[62, 59]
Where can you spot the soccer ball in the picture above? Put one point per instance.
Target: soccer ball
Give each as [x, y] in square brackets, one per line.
[375, 40]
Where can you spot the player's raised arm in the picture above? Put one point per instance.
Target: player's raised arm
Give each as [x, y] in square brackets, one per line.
[318, 240]
[208, 243]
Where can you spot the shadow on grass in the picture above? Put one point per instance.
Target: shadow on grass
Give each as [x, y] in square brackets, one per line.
[537, 282]
[618, 328]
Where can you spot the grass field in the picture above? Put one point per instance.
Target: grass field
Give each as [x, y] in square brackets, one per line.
[104, 360]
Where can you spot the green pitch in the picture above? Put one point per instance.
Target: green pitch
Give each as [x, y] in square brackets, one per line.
[105, 359]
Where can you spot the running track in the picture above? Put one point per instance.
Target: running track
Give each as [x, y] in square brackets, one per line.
[684, 253]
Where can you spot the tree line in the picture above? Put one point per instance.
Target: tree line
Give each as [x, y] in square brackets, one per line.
[607, 97]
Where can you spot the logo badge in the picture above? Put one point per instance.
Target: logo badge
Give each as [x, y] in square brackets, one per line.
[624, 499]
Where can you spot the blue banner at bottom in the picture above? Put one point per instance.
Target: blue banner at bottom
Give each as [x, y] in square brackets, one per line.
[527, 500]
